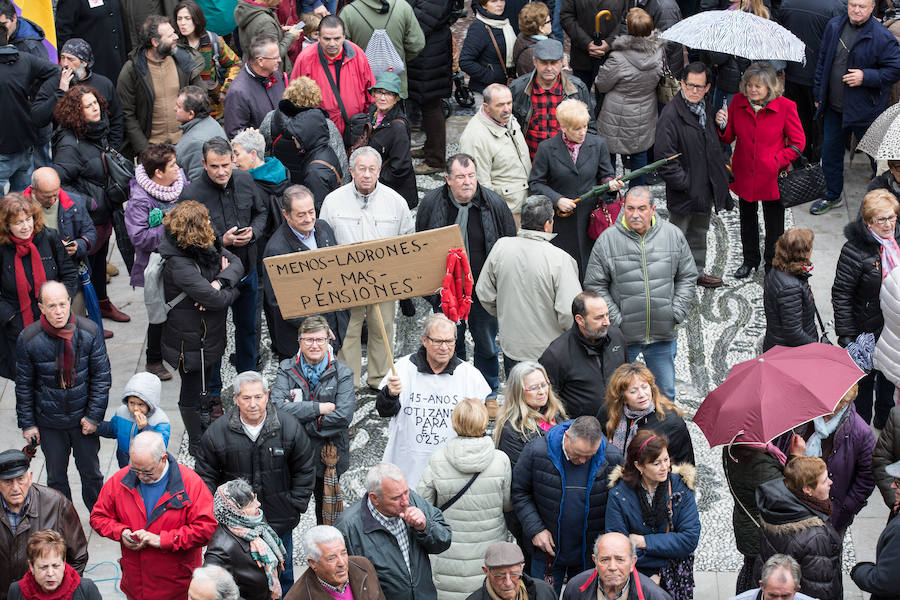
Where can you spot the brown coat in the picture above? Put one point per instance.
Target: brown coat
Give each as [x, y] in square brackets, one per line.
[363, 583]
[47, 509]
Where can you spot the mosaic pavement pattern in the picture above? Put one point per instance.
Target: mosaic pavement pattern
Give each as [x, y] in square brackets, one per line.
[725, 327]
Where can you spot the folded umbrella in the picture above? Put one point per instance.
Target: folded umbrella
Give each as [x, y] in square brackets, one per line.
[332, 499]
[766, 396]
[91, 303]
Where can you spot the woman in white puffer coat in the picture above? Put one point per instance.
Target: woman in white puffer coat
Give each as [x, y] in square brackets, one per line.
[887, 349]
[476, 516]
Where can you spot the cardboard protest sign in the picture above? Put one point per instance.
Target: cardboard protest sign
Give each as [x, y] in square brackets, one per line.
[339, 277]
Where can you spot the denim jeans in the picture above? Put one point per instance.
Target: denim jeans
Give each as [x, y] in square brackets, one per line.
[558, 572]
[833, 152]
[287, 576]
[660, 359]
[243, 313]
[57, 444]
[875, 383]
[484, 333]
[16, 169]
[634, 162]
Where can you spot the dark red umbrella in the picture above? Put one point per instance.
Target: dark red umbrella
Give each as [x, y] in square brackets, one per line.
[776, 391]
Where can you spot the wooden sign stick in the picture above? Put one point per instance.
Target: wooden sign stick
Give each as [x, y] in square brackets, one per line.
[387, 344]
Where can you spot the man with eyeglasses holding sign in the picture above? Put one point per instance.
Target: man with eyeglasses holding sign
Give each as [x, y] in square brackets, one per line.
[421, 397]
[162, 515]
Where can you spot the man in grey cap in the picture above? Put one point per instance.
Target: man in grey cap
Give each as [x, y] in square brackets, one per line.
[505, 578]
[27, 507]
[880, 578]
[537, 94]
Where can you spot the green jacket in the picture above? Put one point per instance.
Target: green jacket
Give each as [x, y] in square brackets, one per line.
[362, 18]
[255, 20]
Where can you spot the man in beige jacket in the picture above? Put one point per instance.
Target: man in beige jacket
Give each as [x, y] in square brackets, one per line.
[529, 284]
[495, 140]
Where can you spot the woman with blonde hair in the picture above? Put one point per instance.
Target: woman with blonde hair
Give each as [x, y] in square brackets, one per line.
[566, 166]
[469, 481]
[199, 280]
[634, 403]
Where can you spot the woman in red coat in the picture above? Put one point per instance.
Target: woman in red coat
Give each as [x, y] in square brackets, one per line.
[769, 136]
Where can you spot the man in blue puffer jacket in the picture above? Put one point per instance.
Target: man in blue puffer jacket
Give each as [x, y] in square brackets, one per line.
[62, 389]
[559, 490]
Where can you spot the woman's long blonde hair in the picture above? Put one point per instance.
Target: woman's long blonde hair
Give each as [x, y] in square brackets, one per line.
[615, 395]
[515, 411]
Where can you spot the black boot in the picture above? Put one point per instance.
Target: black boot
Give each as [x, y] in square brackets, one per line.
[193, 424]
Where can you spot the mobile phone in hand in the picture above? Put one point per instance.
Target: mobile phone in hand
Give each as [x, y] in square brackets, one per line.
[128, 537]
[69, 243]
[241, 231]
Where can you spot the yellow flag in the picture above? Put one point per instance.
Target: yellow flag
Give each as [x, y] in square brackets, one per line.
[40, 12]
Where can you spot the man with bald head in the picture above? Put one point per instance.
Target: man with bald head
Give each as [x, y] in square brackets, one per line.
[62, 389]
[614, 574]
[67, 213]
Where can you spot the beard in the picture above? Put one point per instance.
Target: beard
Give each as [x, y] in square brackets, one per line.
[165, 49]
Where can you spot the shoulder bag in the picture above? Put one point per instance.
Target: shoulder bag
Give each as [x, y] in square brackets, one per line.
[603, 217]
[459, 494]
[499, 55]
[677, 576]
[336, 90]
[119, 171]
[799, 186]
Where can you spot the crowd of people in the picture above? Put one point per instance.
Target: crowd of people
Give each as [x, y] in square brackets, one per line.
[205, 135]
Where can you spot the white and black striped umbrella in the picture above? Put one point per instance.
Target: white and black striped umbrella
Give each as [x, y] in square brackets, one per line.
[882, 139]
[739, 33]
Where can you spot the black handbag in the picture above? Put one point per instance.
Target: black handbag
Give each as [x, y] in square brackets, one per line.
[119, 172]
[799, 186]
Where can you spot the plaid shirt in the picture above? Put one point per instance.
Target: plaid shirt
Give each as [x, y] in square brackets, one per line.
[396, 526]
[543, 124]
[15, 517]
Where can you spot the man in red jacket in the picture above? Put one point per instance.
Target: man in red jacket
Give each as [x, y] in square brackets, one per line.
[162, 514]
[336, 63]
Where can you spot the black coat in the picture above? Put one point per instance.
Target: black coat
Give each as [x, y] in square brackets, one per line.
[681, 449]
[584, 587]
[748, 468]
[696, 181]
[284, 331]
[478, 58]
[857, 284]
[788, 526]
[391, 140]
[577, 19]
[20, 75]
[556, 176]
[104, 87]
[512, 442]
[579, 369]
[79, 163]
[309, 126]
[187, 328]
[535, 589]
[100, 27]
[430, 73]
[240, 203]
[279, 464]
[807, 19]
[233, 554]
[790, 310]
[880, 577]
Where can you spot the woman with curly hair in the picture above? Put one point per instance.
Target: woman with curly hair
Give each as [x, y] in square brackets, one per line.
[78, 146]
[220, 63]
[30, 254]
[653, 503]
[789, 303]
[634, 403]
[199, 278]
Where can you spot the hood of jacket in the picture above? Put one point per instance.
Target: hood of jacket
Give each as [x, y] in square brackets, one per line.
[686, 471]
[245, 12]
[857, 233]
[271, 171]
[27, 30]
[644, 52]
[305, 124]
[145, 386]
[782, 512]
[8, 54]
[381, 6]
[469, 454]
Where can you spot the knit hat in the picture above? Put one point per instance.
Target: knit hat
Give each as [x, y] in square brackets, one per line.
[80, 49]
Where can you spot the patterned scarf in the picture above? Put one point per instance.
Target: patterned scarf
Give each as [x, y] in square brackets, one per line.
[65, 360]
[890, 253]
[624, 432]
[699, 109]
[265, 546]
[30, 589]
[572, 147]
[25, 290]
[160, 192]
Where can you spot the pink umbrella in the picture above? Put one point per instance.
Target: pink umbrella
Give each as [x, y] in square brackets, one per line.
[766, 396]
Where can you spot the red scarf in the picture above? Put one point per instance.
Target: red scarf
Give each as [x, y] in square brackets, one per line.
[32, 591]
[23, 288]
[65, 363]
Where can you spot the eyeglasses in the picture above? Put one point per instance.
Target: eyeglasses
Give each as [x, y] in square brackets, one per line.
[144, 472]
[548, 21]
[884, 220]
[269, 57]
[314, 341]
[513, 575]
[694, 86]
[440, 343]
[381, 92]
[539, 386]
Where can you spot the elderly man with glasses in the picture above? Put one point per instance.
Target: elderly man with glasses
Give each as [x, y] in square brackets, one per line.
[420, 395]
[504, 566]
[162, 515]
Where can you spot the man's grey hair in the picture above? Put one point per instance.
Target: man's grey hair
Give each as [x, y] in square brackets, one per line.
[259, 44]
[320, 534]
[641, 191]
[251, 140]
[586, 427]
[42, 174]
[292, 193]
[381, 471]
[248, 377]
[489, 91]
[149, 441]
[226, 588]
[435, 318]
[536, 211]
[776, 563]
[240, 491]
[600, 537]
[364, 151]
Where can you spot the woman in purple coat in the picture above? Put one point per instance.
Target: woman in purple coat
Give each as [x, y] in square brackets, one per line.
[155, 189]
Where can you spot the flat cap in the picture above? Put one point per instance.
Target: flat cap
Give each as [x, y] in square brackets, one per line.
[13, 463]
[548, 49]
[893, 469]
[503, 554]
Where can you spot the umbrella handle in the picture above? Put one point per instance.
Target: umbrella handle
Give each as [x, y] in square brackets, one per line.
[731, 443]
[605, 14]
